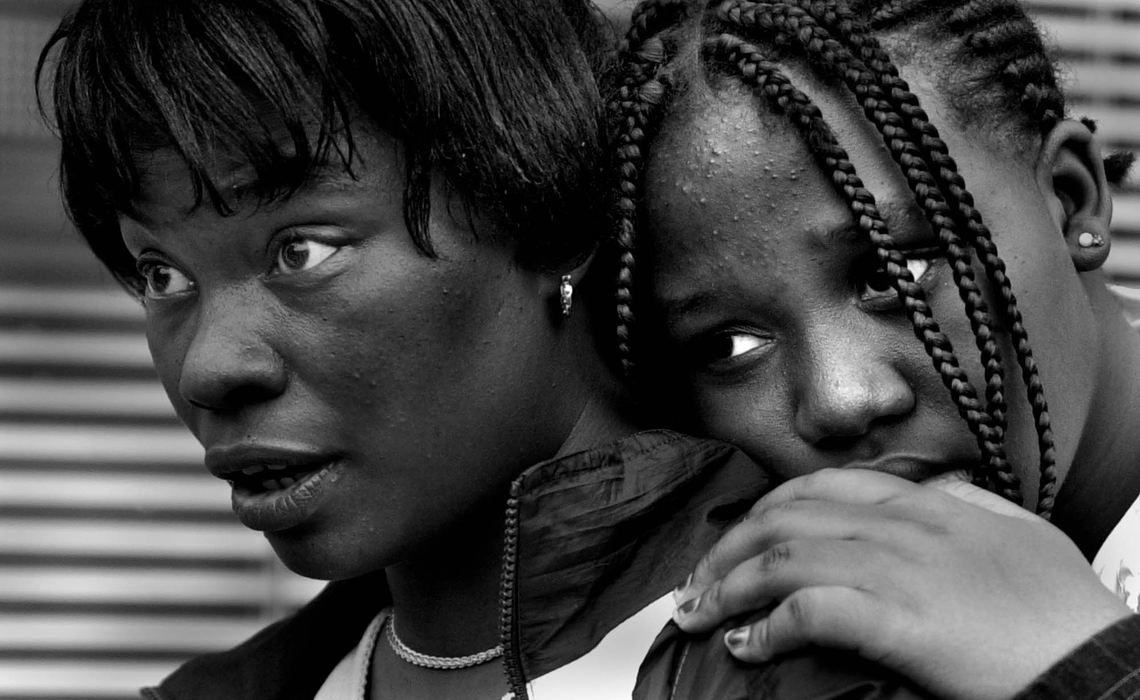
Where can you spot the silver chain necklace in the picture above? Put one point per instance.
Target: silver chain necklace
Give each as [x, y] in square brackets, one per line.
[440, 663]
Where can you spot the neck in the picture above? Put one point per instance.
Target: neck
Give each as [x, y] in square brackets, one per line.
[1104, 479]
[446, 599]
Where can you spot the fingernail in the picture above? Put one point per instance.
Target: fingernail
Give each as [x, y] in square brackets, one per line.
[736, 638]
[688, 607]
[679, 591]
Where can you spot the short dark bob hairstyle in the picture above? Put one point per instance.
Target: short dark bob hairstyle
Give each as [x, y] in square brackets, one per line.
[497, 96]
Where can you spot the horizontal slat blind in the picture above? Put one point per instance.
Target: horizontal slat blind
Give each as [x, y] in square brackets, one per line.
[118, 554]
[1099, 41]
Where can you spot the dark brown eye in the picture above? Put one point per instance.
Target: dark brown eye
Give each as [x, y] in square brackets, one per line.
[163, 280]
[294, 255]
[877, 284]
[878, 281]
[300, 254]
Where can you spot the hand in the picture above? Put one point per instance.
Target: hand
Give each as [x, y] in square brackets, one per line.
[965, 594]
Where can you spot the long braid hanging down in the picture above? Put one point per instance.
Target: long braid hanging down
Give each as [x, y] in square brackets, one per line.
[789, 24]
[766, 78]
[1005, 39]
[640, 92]
[994, 34]
[1010, 32]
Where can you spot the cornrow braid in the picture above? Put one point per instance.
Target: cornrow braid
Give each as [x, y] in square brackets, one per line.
[789, 24]
[878, 108]
[641, 90]
[996, 32]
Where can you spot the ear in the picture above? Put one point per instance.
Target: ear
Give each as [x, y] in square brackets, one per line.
[1070, 174]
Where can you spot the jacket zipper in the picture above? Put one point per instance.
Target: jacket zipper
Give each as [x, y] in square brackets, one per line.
[508, 598]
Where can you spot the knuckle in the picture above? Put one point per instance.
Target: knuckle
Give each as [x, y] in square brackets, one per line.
[802, 612]
[767, 521]
[774, 557]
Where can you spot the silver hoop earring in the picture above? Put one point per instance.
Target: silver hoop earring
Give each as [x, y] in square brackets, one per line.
[566, 295]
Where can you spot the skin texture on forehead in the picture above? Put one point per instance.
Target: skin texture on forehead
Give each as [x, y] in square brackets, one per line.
[729, 195]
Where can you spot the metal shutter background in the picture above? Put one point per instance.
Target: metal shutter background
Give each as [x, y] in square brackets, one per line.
[1100, 43]
[99, 594]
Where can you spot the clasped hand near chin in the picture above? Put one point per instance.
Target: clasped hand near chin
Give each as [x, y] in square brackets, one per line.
[950, 585]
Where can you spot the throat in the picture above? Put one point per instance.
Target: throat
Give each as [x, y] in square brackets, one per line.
[446, 600]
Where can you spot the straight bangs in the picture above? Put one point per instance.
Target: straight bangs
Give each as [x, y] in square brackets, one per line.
[250, 82]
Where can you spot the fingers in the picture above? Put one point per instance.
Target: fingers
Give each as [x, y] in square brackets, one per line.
[777, 572]
[965, 491]
[831, 616]
[837, 487]
[782, 521]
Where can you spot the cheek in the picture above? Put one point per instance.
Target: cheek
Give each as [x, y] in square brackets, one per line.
[755, 417]
[168, 342]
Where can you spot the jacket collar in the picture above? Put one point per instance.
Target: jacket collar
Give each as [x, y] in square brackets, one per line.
[591, 538]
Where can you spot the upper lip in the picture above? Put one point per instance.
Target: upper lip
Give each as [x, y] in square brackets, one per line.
[229, 461]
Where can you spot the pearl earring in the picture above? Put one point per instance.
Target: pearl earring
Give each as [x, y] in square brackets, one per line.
[1090, 240]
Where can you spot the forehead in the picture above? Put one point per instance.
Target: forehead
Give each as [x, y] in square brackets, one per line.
[166, 188]
[722, 162]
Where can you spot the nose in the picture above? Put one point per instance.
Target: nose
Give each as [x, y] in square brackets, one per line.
[229, 362]
[847, 386]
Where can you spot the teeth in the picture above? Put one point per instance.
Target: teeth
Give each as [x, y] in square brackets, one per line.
[277, 467]
[250, 471]
[277, 484]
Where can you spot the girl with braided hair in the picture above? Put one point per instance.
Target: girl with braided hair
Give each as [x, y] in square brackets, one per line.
[813, 198]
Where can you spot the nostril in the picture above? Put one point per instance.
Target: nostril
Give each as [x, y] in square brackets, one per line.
[221, 378]
[836, 443]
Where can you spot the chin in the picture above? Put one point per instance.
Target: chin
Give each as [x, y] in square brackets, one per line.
[319, 558]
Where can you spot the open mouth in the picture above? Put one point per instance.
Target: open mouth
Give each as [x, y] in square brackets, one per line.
[271, 477]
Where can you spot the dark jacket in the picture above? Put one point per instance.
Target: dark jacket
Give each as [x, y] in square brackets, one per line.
[591, 539]
[1105, 667]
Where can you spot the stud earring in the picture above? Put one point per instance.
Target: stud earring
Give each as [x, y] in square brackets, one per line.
[566, 295]
[1090, 240]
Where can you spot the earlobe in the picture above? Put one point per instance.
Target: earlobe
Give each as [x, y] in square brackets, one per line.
[563, 293]
[1070, 173]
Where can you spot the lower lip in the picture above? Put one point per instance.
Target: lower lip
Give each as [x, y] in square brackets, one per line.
[281, 509]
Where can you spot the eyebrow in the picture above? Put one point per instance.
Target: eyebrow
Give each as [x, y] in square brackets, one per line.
[689, 303]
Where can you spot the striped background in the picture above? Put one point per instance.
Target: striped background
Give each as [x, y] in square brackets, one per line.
[118, 555]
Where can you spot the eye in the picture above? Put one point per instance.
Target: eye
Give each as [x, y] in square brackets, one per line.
[163, 280]
[723, 347]
[298, 254]
[876, 285]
